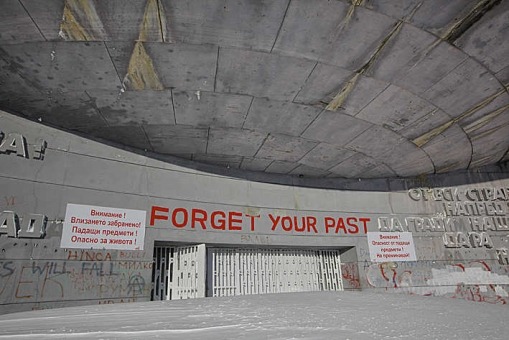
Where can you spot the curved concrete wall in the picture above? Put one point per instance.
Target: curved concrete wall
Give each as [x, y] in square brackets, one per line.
[448, 241]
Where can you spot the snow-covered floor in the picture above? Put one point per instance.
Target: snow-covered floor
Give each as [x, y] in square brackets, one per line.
[320, 315]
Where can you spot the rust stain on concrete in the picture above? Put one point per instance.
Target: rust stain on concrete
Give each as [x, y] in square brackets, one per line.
[141, 74]
[81, 22]
[153, 26]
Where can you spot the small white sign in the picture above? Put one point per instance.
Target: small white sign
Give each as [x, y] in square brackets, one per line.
[387, 247]
[91, 227]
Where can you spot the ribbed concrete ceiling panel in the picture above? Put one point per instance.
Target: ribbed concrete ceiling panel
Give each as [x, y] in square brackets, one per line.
[464, 88]
[64, 66]
[255, 164]
[346, 50]
[355, 166]
[173, 139]
[261, 74]
[376, 172]
[234, 142]
[335, 128]
[133, 136]
[121, 108]
[389, 148]
[309, 28]
[396, 109]
[277, 116]
[326, 81]
[427, 127]
[201, 108]
[488, 137]
[286, 148]
[428, 67]
[484, 113]
[115, 20]
[184, 66]
[437, 16]
[281, 167]
[325, 156]
[483, 42]
[322, 84]
[503, 77]
[47, 16]
[395, 9]
[309, 171]
[228, 161]
[245, 23]
[16, 25]
[404, 49]
[356, 89]
[458, 153]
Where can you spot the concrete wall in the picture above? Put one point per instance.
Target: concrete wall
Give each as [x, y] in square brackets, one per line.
[460, 234]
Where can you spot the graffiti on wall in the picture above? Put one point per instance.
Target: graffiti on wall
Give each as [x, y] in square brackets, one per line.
[98, 275]
[473, 281]
[350, 276]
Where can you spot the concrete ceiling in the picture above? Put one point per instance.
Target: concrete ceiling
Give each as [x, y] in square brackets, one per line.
[316, 88]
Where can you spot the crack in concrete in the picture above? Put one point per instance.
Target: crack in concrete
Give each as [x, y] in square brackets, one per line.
[428, 136]
[32, 19]
[484, 120]
[490, 131]
[351, 83]
[460, 27]
[346, 20]
[151, 23]
[162, 20]
[280, 26]
[473, 16]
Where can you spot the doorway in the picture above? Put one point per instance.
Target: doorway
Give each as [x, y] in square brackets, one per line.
[183, 272]
[178, 272]
[240, 271]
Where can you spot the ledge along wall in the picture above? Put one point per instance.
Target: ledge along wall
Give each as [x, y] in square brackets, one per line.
[79, 220]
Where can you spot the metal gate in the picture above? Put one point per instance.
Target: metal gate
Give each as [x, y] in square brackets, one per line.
[259, 271]
[179, 272]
